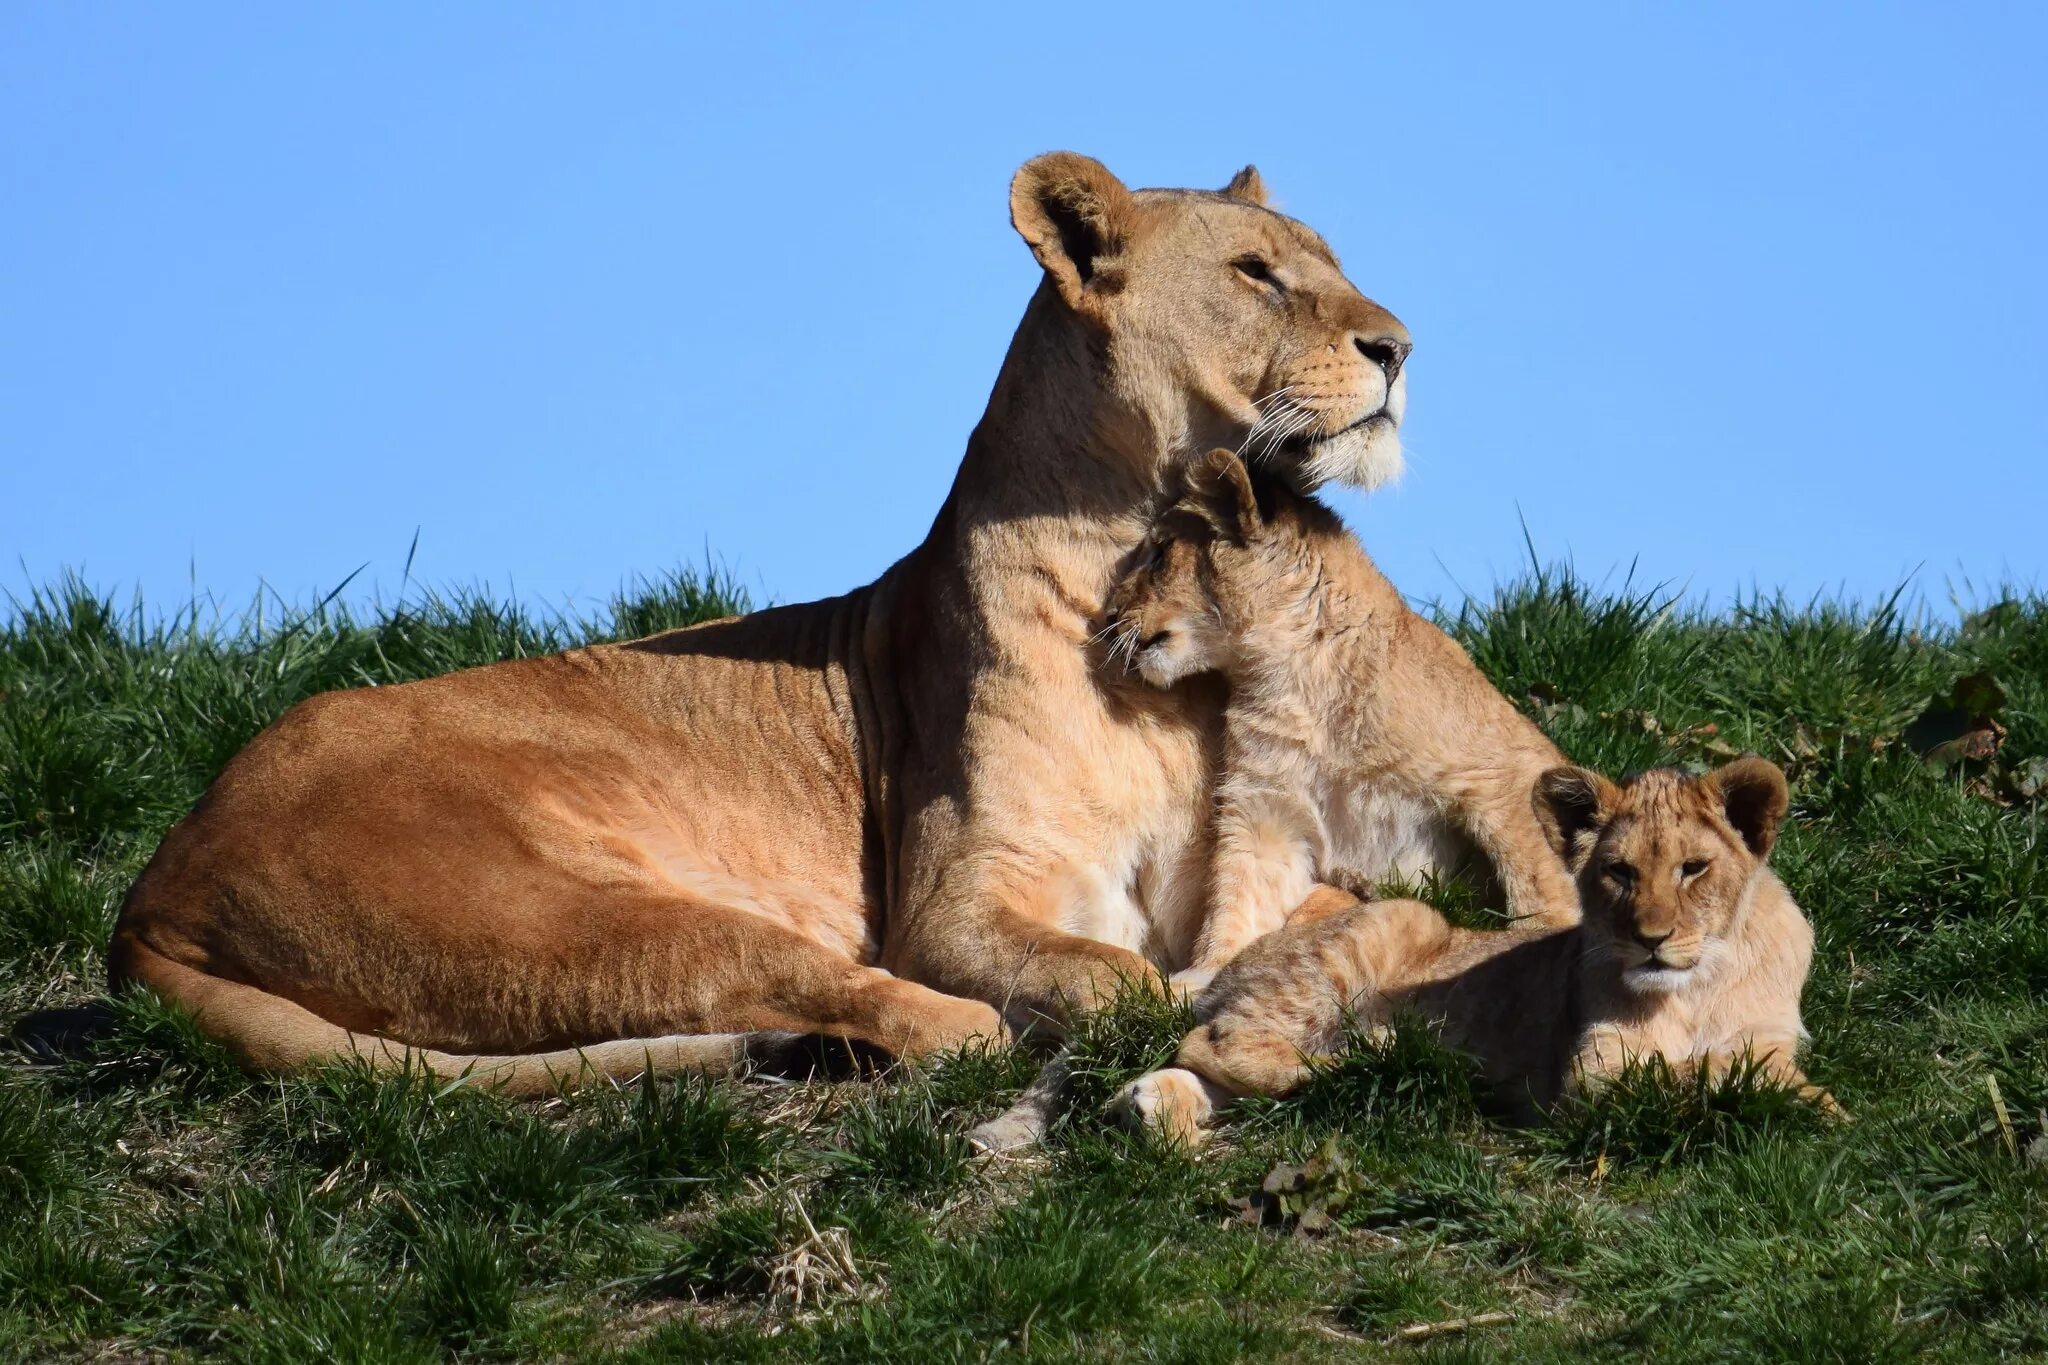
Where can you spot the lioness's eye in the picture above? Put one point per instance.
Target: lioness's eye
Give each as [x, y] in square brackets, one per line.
[1252, 268]
[1621, 872]
[1693, 868]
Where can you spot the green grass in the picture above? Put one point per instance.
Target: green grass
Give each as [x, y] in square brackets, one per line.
[154, 1199]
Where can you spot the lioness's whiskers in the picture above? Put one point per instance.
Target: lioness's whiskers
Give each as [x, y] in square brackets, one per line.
[1293, 421]
[1267, 418]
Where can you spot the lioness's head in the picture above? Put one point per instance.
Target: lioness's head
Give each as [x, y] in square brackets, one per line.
[1217, 563]
[1219, 321]
[1664, 859]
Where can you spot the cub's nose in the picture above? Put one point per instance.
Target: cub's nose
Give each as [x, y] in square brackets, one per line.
[1383, 349]
[1651, 941]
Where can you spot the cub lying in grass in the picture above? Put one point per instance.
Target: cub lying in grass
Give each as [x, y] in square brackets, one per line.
[1342, 698]
[1359, 738]
[1691, 949]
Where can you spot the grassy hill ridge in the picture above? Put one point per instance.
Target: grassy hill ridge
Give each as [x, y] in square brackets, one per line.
[154, 1199]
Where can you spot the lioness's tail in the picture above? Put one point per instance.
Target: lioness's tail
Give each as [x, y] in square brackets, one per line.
[271, 1034]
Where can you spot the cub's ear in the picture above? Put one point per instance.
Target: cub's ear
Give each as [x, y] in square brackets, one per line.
[1248, 186]
[1571, 806]
[1754, 798]
[1073, 214]
[1219, 492]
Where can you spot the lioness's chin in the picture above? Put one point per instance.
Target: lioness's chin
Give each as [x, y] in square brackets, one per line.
[1366, 456]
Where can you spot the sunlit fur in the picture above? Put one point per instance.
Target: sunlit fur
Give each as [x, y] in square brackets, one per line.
[885, 816]
[1298, 371]
[1360, 742]
[1542, 1011]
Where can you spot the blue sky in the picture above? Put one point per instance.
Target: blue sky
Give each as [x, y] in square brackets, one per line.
[1748, 295]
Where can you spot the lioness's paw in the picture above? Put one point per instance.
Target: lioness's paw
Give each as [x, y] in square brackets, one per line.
[1083, 984]
[1172, 1103]
[1190, 982]
[952, 1026]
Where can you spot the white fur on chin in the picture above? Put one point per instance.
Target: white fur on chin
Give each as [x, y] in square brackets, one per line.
[1644, 979]
[1365, 457]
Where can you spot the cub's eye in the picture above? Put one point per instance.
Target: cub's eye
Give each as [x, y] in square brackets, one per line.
[1693, 868]
[1255, 269]
[1620, 873]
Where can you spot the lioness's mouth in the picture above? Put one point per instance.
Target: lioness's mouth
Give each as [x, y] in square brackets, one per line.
[1379, 420]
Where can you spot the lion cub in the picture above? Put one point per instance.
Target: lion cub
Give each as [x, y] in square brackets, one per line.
[1359, 738]
[1690, 949]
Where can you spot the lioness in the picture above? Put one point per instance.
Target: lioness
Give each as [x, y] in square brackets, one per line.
[1691, 950]
[885, 816]
[1359, 737]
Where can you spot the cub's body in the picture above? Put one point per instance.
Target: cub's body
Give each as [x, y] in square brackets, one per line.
[1695, 953]
[1359, 741]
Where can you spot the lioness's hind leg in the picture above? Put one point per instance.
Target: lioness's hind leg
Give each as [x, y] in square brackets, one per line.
[686, 964]
[582, 967]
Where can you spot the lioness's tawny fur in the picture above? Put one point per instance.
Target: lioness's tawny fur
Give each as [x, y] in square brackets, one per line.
[1359, 738]
[1691, 950]
[886, 816]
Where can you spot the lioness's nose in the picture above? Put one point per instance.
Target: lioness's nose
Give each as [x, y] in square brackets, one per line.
[1383, 349]
[1650, 940]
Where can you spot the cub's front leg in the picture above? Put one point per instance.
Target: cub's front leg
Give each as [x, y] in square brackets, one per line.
[1281, 1005]
[1777, 1059]
[1603, 1053]
[1608, 1048]
[1453, 737]
[1264, 868]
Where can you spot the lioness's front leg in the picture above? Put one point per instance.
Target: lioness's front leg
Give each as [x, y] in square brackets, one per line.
[991, 942]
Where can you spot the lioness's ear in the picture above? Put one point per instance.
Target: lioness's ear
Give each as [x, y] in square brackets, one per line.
[1248, 186]
[1571, 806]
[1219, 491]
[1754, 797]
[1072, 213]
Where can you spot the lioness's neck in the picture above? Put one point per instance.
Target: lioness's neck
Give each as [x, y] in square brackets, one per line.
[1058, 475]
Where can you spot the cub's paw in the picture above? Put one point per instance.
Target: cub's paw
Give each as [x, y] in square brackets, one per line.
[1189, 982]
[1830, 1109]
[1546, 914]
[1173, 1103]
[1014, 1130]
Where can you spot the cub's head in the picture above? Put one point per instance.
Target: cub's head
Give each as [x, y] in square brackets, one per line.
[1219, 562]
[1218, 322]
[1664, 860]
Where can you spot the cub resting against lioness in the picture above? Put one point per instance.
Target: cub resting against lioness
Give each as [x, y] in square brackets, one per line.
[1359, 738]
[1692, 949]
